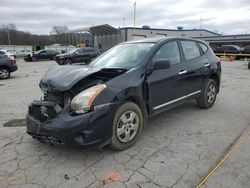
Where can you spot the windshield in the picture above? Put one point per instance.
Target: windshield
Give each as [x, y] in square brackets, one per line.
[123, 56]
[72, 50]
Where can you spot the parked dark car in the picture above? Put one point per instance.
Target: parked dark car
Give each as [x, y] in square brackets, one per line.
[7, 65]
[41, 55]
[77, 55]
[229, 49]
[246, 50]
[109, 100]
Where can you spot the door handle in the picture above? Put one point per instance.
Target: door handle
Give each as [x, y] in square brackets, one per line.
[182, 72]
[206, 65]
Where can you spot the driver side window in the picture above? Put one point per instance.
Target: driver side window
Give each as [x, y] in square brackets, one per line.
[169, 51]
[43, 53]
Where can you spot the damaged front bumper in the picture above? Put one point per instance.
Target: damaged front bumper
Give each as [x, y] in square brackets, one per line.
[48, 122]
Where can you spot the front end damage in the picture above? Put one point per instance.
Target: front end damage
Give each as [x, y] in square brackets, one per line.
[51, 119]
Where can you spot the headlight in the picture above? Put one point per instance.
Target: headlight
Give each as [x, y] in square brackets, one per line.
[82, 102]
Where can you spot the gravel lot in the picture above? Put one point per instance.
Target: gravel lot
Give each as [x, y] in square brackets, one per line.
[177, 148]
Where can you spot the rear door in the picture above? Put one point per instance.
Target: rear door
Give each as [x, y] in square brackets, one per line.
[86, 55]
[166, 87]
[197, 65]
[43, 55]
[77, 55]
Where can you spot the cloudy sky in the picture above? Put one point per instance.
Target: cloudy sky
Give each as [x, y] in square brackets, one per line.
[39, 16]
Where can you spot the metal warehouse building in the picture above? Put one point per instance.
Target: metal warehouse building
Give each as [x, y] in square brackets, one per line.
[106, 36]
[130, 33]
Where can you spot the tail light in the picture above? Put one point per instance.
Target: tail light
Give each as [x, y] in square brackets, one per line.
[218, 59]
[12, 60]
[12, 57]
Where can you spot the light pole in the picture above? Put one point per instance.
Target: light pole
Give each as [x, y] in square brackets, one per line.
[134, 15]
[8, 33]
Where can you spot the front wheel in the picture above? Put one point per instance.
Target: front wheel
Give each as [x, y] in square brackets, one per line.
[127, 126]
[34, 59]
[208, 95]
[68, 61]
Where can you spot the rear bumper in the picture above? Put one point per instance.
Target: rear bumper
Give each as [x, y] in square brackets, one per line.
[90, 129]
[13, 67]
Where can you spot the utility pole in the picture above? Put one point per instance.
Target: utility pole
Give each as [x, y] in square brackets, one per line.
[200, 22]
[123, 21]
[134, 15]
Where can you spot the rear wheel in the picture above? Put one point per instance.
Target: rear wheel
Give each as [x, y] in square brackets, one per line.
[209, 93]
[4, 73]
[249, 65]
[127, 125]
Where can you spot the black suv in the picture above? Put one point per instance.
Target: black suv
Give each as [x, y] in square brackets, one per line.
[109, 100]
[41, 55]
[7, 65]
[229, 49]
[77, 55]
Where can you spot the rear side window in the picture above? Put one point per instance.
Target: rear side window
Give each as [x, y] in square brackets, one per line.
[203, 47]
[169, 51]
[80, 51]
[190, 49]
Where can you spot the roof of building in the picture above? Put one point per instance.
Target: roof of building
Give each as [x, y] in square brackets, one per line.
[159, 39]
[158, 29]
[104, 29]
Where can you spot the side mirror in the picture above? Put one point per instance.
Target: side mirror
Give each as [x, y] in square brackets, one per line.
[161, 64]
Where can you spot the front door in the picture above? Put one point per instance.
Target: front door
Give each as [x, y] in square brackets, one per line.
[167, 86]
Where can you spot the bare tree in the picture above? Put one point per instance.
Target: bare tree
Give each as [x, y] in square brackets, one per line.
[59, 29]
[59, 34]
[11, 31]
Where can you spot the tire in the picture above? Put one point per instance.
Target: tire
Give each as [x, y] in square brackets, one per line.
[4, 73]
[249, 65]
[125, 126]
[68, 61]
[208, 94]
[34, 59]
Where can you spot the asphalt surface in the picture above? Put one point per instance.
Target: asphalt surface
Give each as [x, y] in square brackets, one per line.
[177, 148]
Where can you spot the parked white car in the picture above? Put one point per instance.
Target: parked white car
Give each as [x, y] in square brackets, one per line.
[10, 55]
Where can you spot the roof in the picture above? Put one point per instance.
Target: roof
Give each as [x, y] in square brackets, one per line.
[140, 28]
[104, 29]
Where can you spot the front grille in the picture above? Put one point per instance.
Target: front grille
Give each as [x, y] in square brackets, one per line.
[42, 113]
[54, 97]
[47, 139]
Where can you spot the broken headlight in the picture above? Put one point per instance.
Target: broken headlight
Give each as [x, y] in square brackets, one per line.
[82, 102]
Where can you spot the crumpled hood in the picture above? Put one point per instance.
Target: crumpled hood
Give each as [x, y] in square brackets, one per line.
[62, 78]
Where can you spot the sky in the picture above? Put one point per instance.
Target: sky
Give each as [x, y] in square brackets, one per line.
[39, 16]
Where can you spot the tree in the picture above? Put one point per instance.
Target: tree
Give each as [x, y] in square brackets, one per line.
[58, 34]
[10, 30]
[61, 29]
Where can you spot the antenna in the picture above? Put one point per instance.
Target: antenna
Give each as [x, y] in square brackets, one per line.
[200, 22]
[123, 21]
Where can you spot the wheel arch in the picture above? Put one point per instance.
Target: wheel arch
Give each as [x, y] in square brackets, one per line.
[6, 67]
[139, 102]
